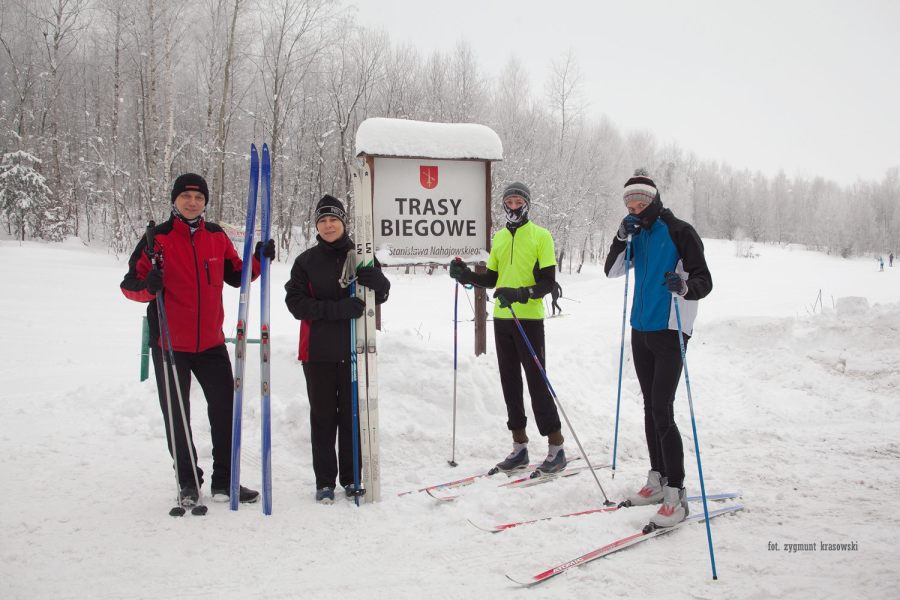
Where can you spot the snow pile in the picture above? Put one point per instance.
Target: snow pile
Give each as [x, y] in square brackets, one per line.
[405, 138]
[794, 408]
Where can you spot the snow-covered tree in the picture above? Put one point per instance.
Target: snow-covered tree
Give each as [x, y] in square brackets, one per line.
[25, 199]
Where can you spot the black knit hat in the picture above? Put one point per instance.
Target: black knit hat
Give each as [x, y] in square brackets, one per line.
[329, 206]
[640, 187]
[190, 182]
[517, 188]
[518, 216]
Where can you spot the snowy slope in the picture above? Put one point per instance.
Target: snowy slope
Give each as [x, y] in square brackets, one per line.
[797, 409]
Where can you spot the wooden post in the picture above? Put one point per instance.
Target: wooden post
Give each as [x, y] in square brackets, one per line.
[480, 294]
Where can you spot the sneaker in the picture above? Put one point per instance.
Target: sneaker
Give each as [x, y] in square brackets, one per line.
[245, 496]
[350, 492]
[674, 509]
[651, 493]
[325, 495]
[516, 461]
[188, 496]
[555, 461]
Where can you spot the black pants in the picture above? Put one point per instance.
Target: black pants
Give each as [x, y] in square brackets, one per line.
[212, 368]
[657, 362]
[330, 416]
[512, 357]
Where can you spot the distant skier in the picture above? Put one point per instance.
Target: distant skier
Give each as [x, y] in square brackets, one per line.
[668, 259]
[881, 263]
[555, 294]
[891, 259]
[197, 260]
[522, 265]
[326, 310]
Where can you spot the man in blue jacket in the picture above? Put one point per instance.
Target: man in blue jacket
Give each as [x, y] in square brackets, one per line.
[668, 260]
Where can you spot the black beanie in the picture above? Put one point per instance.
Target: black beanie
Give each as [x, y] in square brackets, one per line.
[190, 182]
[517, 188]
[640, 187]
[329, 206]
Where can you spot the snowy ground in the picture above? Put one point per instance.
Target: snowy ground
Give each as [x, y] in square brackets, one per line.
[794, 408]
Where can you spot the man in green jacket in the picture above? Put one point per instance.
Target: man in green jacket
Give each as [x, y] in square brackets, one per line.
[522, 266]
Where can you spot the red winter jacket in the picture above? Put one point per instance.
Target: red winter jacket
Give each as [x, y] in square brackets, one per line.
[195, 268]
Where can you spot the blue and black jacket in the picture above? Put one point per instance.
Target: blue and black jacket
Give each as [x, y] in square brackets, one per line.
[664, 244]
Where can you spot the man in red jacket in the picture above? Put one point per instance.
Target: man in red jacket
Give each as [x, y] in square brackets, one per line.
[197, 259]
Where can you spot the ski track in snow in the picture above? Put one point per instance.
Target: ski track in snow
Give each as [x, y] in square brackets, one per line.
[796, 409]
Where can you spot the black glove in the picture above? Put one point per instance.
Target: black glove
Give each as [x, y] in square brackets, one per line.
[373, 279]
[350, 307]
[267, 249]
[506, 296]
[676, 284]
[460, 271]
[154, 281]
[631, 225]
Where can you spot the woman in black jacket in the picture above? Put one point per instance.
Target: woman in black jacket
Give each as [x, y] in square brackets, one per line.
[326, 310]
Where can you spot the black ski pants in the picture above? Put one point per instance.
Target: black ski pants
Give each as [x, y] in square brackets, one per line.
[512, 357]
[212, 368]
[657, 362]
[330, 417]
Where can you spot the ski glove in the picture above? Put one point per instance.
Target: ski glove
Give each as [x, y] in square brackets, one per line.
[350, 307]
[373, 279]
[154, 281]
[506, 296]
[676, 284]
[631, 225]
[267, 250]
[460, 271]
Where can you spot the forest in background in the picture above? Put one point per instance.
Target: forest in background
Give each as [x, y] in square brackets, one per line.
[104, 102]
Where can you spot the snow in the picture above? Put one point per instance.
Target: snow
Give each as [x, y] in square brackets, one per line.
[794, 408]
[406, 138]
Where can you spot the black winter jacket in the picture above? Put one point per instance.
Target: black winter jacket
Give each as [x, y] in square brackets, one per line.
[312, 295]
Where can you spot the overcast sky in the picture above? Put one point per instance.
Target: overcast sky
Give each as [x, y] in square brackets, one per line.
[811, 87]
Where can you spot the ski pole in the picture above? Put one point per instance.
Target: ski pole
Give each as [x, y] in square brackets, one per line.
[452, 461]
[354, 399]
[687, 383]
[540, 367]
[168, 360]
[621, 354]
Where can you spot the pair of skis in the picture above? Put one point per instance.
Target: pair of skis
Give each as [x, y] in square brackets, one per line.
[240, 347]
[364, 349]
[648, 532]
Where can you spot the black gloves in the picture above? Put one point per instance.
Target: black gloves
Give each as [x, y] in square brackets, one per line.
[460, 271]
[506, 296]
[676, 284]
[154, 281]
[373, 279]
[267, 250]
[631, 225]
[350, 307]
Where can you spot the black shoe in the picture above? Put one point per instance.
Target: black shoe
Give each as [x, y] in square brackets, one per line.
[325, 495]
[351, 492]
[246, 495]
[554, 463]
[516, 461]
[188, 496]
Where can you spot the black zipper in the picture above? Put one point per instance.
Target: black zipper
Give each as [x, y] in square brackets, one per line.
[208, 280]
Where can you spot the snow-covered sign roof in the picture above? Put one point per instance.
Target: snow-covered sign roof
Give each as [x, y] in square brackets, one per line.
[419, 139]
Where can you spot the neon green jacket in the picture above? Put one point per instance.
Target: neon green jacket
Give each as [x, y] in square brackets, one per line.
[516, 258]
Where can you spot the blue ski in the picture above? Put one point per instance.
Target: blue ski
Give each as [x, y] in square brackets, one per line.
[240, 346]
[264, 347]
